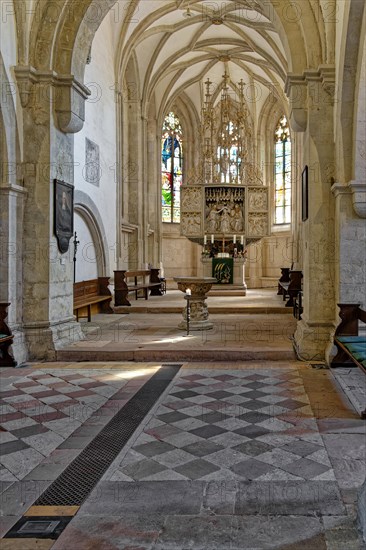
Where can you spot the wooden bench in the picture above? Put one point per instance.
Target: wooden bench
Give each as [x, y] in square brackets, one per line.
[6, 338]
[351, 348]
[92, 296]
[143, 280]
[285, 278]
[290, 289]
[298, 309]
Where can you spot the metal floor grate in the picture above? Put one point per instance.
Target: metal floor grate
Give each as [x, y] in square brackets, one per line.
[79, 478]
[40, 527]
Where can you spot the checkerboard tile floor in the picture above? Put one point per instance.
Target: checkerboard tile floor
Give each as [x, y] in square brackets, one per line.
[42, 408]
[241, 425]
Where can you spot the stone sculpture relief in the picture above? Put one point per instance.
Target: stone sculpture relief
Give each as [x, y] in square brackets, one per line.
[258, 201]
[191, 199]
[258, 225]
[92, 162]
[199, 311]
[224, 210]
[191, 223]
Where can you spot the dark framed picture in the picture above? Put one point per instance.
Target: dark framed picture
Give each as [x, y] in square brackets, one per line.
[63, 214]
[304, 194]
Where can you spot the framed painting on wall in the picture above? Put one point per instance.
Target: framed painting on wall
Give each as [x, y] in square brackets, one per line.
[63, 214]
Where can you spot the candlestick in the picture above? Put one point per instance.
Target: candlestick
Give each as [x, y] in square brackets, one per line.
[212, 239]
[234, 239]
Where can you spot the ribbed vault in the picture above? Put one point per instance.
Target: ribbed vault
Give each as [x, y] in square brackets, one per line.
[179, 43]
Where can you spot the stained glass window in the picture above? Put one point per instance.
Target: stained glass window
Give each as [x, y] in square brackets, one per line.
[282, 173]
[228, 154]
[171, 168]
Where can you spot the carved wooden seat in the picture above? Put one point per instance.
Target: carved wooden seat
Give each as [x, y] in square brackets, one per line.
[290, 288]
[142, 280]
[92, 296]
[6, 338]
[285, 278]
[351, 347]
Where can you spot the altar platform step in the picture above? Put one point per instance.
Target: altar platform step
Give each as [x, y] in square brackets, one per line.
[175, 355]
[139, 337]
[251, 310]
[256, 301]
[269, 282]
[227, 290]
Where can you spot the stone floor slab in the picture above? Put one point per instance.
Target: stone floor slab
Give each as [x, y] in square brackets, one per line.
[289, 498]
[145, 498]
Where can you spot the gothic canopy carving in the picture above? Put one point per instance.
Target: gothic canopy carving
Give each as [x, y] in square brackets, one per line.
[227, 196]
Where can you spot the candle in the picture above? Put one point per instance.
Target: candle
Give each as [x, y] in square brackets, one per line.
[242, 240]
[212, 239]
[188, 292]
[205, 239]
[234, 239]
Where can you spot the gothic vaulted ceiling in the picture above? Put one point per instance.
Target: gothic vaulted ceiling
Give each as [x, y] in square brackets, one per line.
[178, 44]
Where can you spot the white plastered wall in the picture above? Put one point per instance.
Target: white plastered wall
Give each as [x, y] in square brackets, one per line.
[100, 128]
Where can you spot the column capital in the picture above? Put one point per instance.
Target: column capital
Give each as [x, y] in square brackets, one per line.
[297, 90]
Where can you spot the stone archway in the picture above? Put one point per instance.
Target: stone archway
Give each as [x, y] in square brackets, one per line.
[52, 94]
[97, 250]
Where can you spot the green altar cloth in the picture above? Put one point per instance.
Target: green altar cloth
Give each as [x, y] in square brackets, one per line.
[223, 270]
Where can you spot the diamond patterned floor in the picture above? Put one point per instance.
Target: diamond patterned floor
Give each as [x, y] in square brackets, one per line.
[240, 425]
[41, 408]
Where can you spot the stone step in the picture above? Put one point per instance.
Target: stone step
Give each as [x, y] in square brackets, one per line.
[269, 282]
[175, 355]
[242, 310]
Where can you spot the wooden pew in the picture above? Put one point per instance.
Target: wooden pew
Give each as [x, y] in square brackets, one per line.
[6, 338]
[351, 348]
[93, 295]
[285, 278]
[144, 279]
[291, 288]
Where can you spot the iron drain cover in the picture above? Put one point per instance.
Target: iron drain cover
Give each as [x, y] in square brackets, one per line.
[40, 527]
[36, 527]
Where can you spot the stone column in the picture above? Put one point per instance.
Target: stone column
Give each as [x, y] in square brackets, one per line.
[350, 242]
[12, 199]
[48, 320]
[314, 117]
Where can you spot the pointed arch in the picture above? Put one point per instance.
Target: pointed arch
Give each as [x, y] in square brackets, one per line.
[172, 153]
[282, 173]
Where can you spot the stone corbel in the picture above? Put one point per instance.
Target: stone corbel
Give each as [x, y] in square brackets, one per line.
[327, 75]
[358, 197]
[26, 77]
[340, 189]
[70, 104]
[296, 91]
[70, 95]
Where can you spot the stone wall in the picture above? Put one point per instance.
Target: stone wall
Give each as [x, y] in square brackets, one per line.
[181, 257]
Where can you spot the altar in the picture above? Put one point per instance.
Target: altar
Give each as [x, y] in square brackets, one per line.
[225, 205]
[229, 273]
